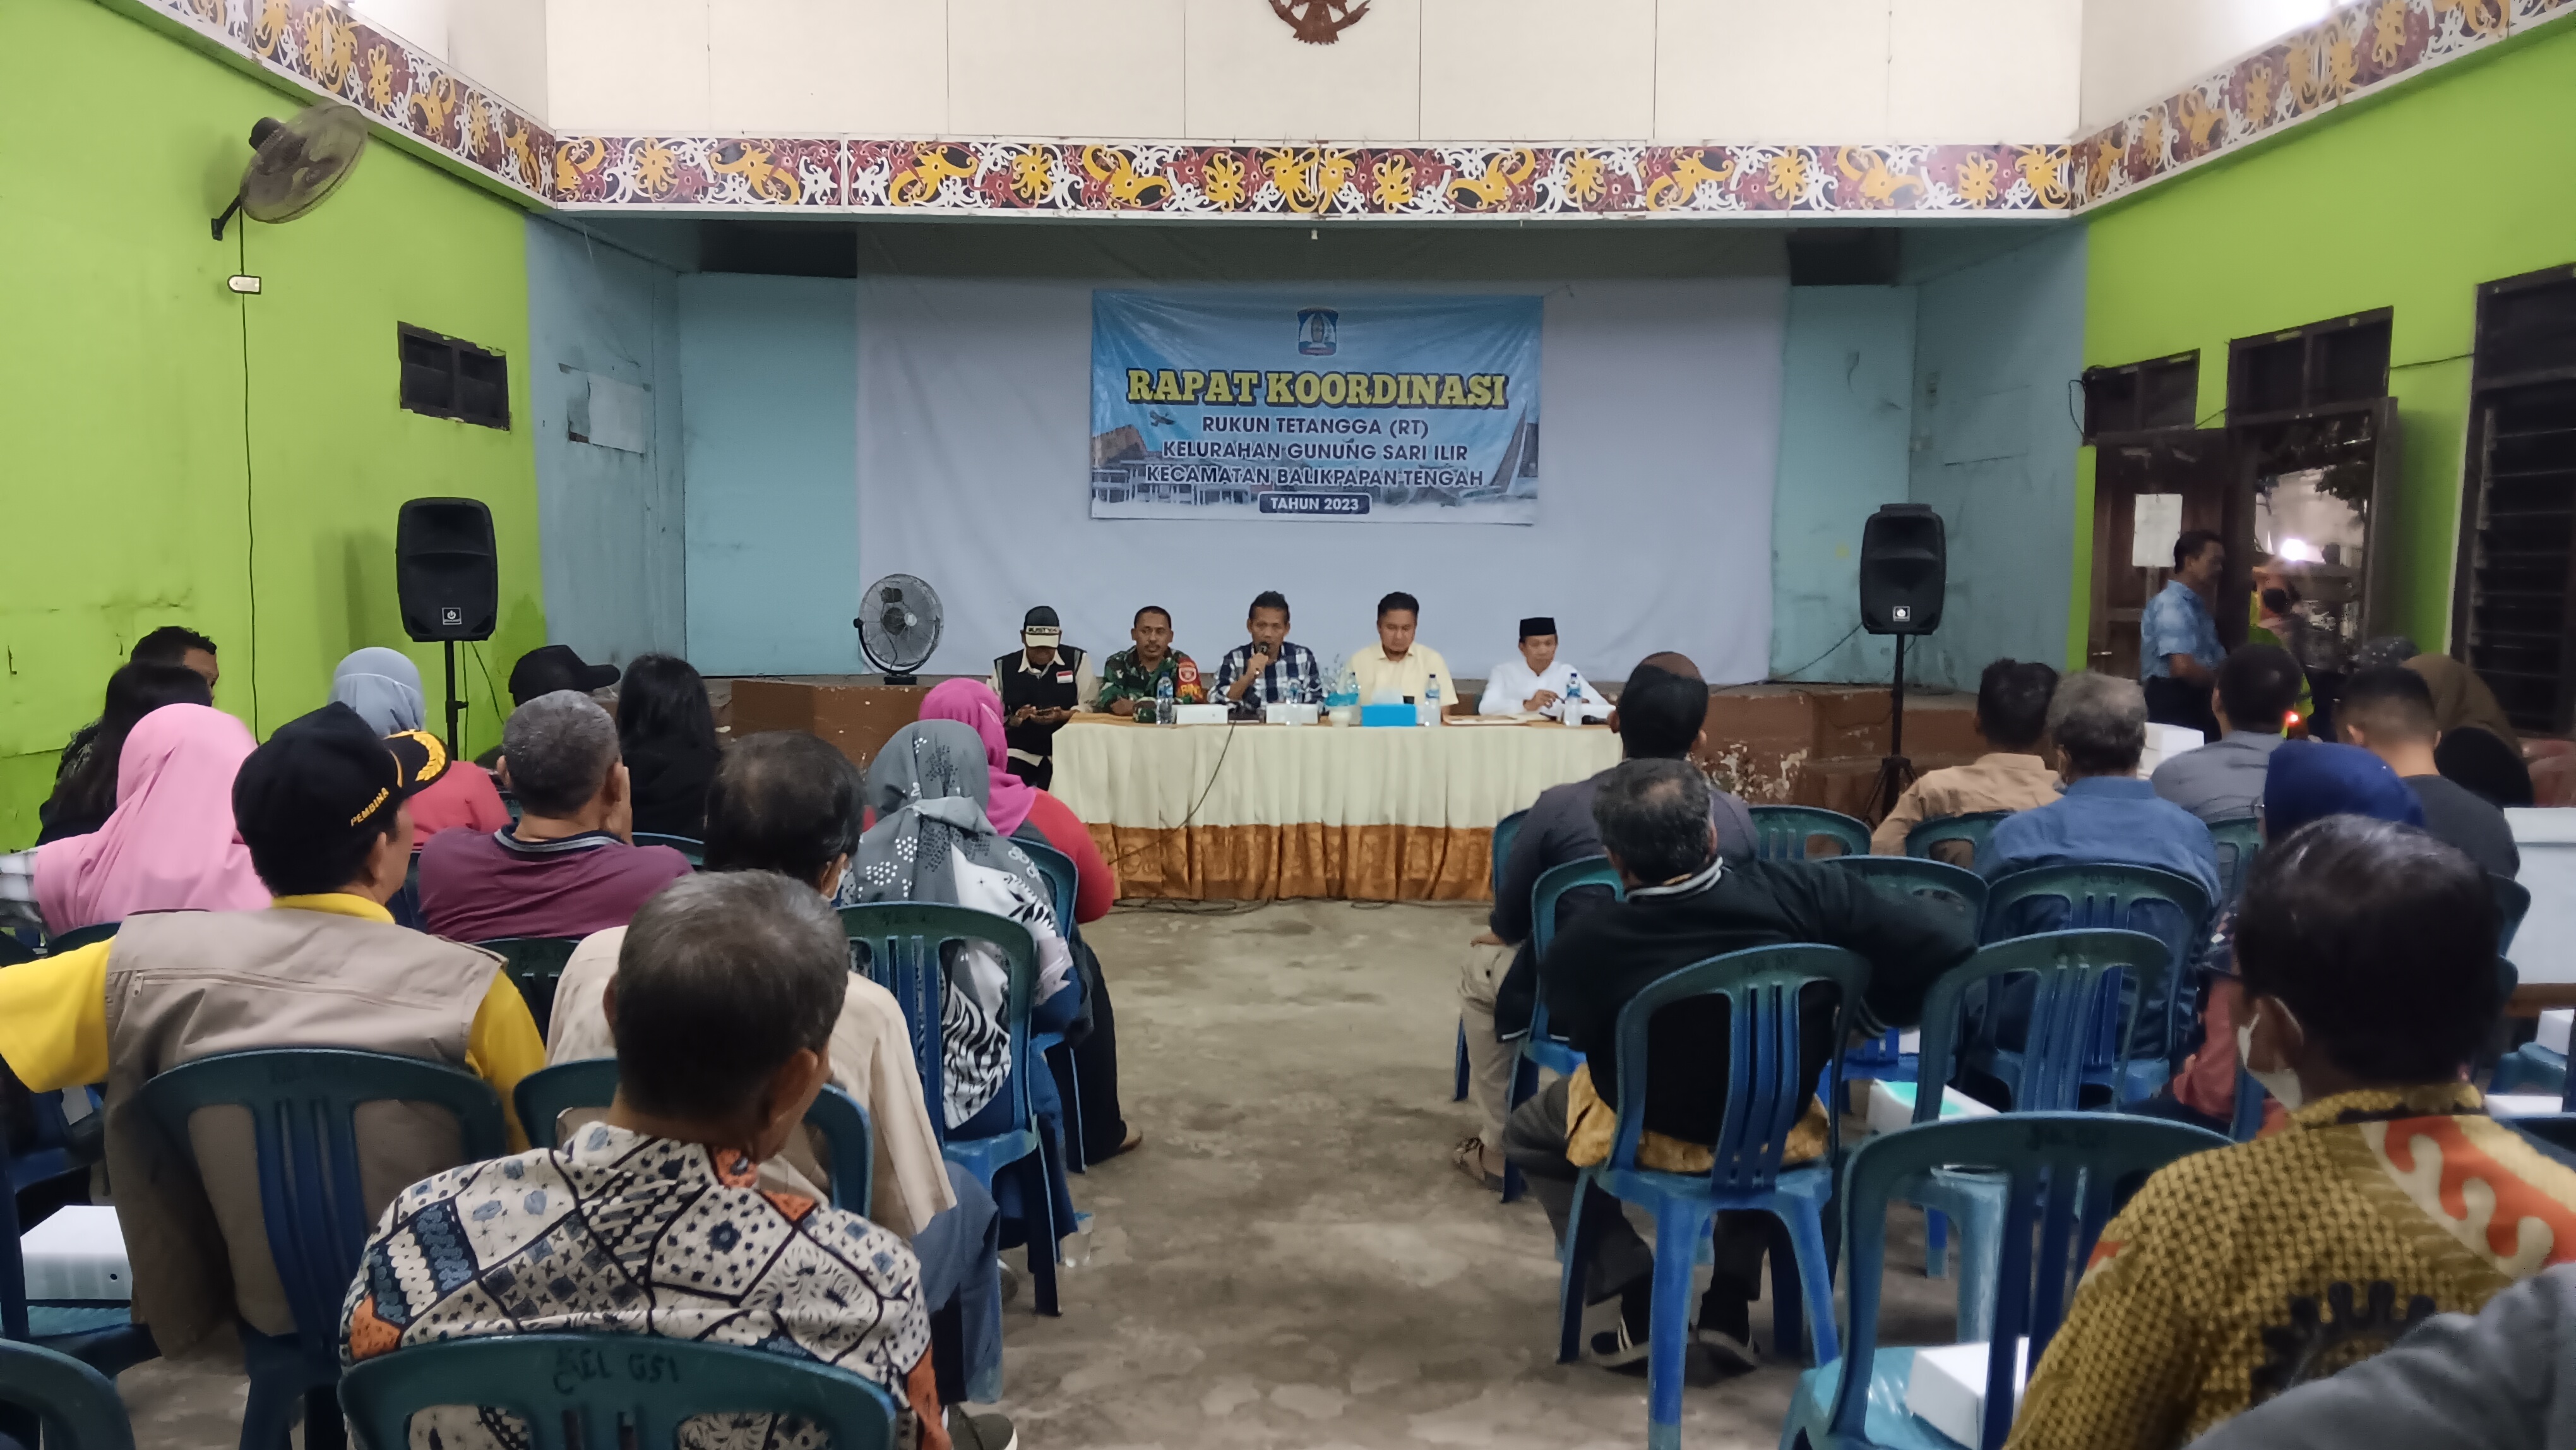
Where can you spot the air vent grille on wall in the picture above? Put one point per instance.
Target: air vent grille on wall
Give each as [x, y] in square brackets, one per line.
[2342, 360]
[2514, 610]
[448, 378]
[2141, 396]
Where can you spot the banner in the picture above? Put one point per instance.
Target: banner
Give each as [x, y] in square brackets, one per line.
[1383, 409]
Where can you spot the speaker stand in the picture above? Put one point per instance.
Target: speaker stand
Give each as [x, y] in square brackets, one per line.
[456, 707]
[1895, 772]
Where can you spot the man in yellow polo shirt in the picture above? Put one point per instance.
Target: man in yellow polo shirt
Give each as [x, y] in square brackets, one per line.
[1398, 668]
[321, 808]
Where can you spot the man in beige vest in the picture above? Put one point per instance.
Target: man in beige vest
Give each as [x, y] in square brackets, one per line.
[321, 808]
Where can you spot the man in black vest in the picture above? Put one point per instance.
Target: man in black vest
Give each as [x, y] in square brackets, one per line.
[1040, 688]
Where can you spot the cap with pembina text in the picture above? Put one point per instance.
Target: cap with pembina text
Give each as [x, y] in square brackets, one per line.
[327, 775]
[1041, 625]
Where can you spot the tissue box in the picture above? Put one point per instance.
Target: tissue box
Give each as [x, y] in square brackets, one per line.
[2164, 742]
[1396, 714]
[2553, 1029]
[1948, 1389]
[2521, 1105]
[1289, 714]
[1891, 1106]
[1198, 714]
[79, 1253]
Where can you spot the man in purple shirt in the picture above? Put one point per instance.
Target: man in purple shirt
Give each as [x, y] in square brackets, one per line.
[570, 866]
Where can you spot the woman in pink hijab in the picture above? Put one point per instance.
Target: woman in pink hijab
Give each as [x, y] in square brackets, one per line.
[171, 844]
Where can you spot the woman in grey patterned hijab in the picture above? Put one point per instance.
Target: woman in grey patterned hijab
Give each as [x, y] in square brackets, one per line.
[932, 843]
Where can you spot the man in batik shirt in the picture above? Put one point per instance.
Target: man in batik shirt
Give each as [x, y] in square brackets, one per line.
[652, 1220]
[1138, 672]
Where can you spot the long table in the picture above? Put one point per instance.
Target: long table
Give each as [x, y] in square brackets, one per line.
[1253, 812]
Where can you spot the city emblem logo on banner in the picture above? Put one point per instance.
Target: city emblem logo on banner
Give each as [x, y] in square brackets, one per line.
[1315, 329]
[1319, 22]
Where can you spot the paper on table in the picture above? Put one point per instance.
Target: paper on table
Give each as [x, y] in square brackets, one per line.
[2153, 529]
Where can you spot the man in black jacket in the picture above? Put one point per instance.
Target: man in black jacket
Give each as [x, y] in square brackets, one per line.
[1686, 903]
[1659, 715]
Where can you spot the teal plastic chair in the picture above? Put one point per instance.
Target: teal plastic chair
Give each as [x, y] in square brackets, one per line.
[1975, 829]
[2077, 977]
[2063, 1176]
[849, 1139]
[2513, 901]
[535, 963]
[1783, 833]
[102, 1336]
[1063, 881]
[2239, 840]
[904, 942]
[2103, 896]
[1506, 831]
[302, 1102]
[610, 1391]
[1768, 1088]
[93, 934]
[1541, 1048]
[1927, 880]
[76, 1405]
[689, 846]
[14, 951]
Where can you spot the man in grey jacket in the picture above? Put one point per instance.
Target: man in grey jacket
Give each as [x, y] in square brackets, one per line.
[2224, 778]
[2502, 1379]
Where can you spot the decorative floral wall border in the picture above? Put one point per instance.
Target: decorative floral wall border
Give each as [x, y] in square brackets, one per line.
[2363, 47]
[321, 47]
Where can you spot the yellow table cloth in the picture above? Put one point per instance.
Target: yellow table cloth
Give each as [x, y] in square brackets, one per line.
[1255, 812]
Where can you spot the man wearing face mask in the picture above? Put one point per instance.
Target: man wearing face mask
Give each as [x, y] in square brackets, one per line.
[2366, 953]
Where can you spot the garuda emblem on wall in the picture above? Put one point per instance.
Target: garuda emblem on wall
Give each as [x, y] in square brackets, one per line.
[1319, 22]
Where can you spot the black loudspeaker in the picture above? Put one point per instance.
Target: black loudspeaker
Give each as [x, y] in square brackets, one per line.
[1904, 569]
[445, 569]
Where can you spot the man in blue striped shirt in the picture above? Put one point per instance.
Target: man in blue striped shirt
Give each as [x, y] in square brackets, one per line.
[1270, 670]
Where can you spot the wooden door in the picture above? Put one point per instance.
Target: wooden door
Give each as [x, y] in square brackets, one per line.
[2192, 462]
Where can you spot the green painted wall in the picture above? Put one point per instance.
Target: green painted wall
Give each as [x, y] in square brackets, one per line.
[174, 453]
[2408, 201]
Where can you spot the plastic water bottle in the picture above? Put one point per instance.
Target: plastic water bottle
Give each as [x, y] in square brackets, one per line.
[1431, 702]
[1163, 698]
[1572, 704]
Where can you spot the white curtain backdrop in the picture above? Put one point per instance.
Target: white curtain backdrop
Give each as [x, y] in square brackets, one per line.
[1658, 449]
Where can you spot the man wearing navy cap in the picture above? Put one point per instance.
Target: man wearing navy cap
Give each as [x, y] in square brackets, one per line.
[1040, 687]
[321, 808]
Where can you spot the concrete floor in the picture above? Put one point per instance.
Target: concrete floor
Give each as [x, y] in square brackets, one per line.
[1290, 1260]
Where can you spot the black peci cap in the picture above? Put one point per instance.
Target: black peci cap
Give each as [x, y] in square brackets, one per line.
[325, 777]
[552, 667]
[1537, 624]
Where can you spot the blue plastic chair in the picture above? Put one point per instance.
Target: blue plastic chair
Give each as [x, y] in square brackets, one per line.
[1506, 831]
[2513, 901]
[849, 1140]
[1539, 1047]
[303, 1103]
[96, 932]
[689, 846]
[2104, 896]
[76, 1405]
[1973, 829]
[607, 1391]
[1767, 1091]
[2078, 978]
[1925, 880]
[2064, 1175]
[535, 963]
[1782, 833]
[2239, 840]
[904, 943]
[1063, 881]
[102, 1336]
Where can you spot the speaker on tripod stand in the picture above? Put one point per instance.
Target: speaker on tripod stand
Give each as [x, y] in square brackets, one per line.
[1904, 570]
[449, 578]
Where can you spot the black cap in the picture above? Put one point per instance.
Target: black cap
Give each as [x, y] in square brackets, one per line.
[552, 667]
[1537, 624]
[326, 776]
[1042, 621]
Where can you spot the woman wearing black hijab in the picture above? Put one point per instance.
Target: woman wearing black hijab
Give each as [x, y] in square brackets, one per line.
[667, 732]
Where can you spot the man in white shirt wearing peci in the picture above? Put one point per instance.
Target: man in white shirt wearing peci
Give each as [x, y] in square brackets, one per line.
[1538, 683]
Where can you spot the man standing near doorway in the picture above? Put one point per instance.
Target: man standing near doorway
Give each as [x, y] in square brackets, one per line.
[1040, 687]
[2178, 649]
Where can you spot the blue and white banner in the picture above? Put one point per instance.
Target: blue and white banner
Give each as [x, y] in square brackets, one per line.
[1393, 409]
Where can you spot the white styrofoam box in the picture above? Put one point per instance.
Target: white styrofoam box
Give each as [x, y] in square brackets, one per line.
[1891, 1106]
[2544, 950]
[2164, 742]
[1948, 1390]
[1910, 1040]
[2520, 1105]
[79, 1253]
[2553, 1029]
[1198, 714]
[1289, 714]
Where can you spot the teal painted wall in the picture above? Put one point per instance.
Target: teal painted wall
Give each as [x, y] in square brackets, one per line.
[769, 382]
[179, 454]
[1845, 410]
[2408, 201]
